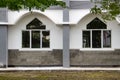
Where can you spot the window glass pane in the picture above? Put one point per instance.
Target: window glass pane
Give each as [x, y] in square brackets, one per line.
[96, 39]
[25, 39]
[45, 39]
[107, 38]
[35, 39]
[96, 24]
[35, 24]
[86, 39]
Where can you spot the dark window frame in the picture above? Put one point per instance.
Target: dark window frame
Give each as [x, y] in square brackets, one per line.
[92, 27]
[40, 29]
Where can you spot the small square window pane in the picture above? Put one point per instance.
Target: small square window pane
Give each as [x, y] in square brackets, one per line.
[45, 39]
[107, 39]
[86, 39]
[25, 39]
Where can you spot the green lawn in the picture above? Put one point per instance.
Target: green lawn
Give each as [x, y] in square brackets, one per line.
[60, 75]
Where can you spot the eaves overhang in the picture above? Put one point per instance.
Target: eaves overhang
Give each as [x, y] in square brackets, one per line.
[66, 23]
[5, 23]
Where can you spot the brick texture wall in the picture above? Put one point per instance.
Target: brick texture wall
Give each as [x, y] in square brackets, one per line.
[54, 58]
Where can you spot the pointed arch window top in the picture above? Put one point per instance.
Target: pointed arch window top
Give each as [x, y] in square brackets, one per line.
[35, 24]
[96, 24]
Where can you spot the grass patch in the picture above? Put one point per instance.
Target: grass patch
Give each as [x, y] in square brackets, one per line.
[60, 75]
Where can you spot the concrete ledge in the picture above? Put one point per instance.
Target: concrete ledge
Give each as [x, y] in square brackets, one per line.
[58, 69]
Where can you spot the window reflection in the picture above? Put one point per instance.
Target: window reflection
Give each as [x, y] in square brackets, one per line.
[96, 35]
[35, 24]
[96, 39]
[36, 35]
[86, 39]
[107, 38]
[25, 39]
[45, 39]
[35, 39]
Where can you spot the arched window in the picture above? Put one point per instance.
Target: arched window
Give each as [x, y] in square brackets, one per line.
[35, 35]
[96, 35]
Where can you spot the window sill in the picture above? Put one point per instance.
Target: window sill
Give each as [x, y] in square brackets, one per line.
[97, 49]
[28, 49]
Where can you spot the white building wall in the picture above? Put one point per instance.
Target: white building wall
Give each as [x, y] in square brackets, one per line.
[77, 14]
[81, 19]
[76, 32]
[78, 18]
[115, 27]
[15, 34]
[51, 14]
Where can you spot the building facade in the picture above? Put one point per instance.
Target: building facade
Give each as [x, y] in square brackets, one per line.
[58, 37]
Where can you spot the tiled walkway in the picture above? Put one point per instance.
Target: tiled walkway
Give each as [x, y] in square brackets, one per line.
[55, 68]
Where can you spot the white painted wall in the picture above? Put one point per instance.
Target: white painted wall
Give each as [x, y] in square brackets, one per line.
[80, 18]
[51, 14]
[76, 32]
[15, 34]
[75, 15]
[115, 27]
